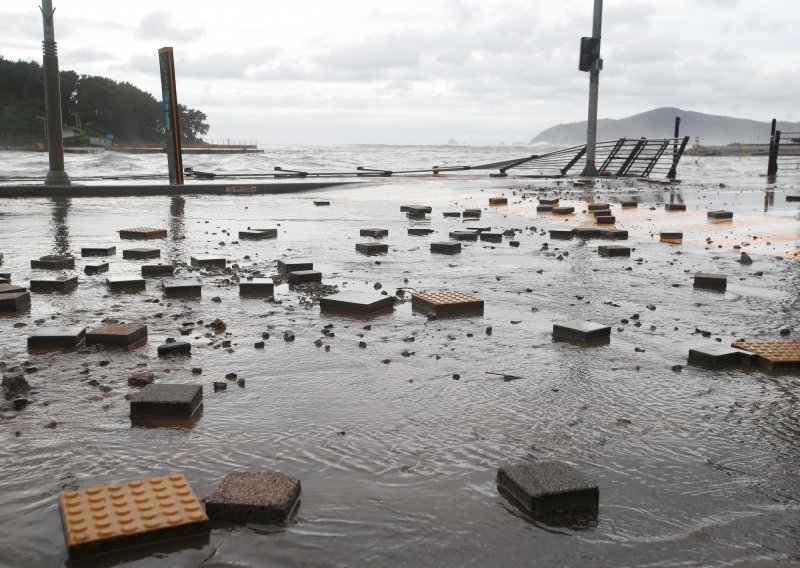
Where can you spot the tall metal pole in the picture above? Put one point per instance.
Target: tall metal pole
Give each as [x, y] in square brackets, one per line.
[594, 87]
[52, 97]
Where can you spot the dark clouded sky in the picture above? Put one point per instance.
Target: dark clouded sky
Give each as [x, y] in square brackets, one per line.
[425, 71]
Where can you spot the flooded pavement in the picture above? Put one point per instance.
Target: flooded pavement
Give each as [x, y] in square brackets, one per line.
[396, 456]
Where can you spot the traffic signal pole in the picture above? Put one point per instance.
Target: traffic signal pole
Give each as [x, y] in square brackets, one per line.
[52, 96]
[594, 88]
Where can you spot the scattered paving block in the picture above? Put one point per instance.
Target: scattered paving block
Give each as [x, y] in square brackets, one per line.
[491, 237]
[6, 276]
[141, 253]
[629, 204]
[601, 212]
[69, 337]
[159, 400]
[598, 206]
[301, 276]
[258, 234]
[285, 265]
[563, 210]
[544, 208]
[1, 258]
[143, 233]
[479, 229]
[102, 519]
[49, 286]
[579, 330]
[174, 348]
[605, 220]
[419, 231]
[721, 214]
[182, 288]
[587, 232]
[715, 355]
[447, 303]
[128, 284]
[257, 287]
[498, 201]
[452, 213]
[446, 247]
[548, 488]
[612, 234]
[356, 302]
[416, 209]
[374, 233]
[671, 236]
[117, 334]
[263, 497]
[372, 248]
[4, 280]
[158, 269]
[320, 203]
[471, 213]
[208, 261]
[613, 250]
[675, 207]
[12, 289]
[14, 301]
[562, 234]
[710, 281]
[98, 251]
[93, 268]
[54, 262]
[773, 355]
[548, 201]
[788, 198]
[464, 235]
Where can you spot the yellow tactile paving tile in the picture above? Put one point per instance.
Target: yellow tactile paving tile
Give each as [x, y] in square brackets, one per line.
[773, 354]
[97, 519]
[447, 301]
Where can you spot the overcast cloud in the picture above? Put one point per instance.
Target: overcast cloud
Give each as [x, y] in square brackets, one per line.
[425, 71]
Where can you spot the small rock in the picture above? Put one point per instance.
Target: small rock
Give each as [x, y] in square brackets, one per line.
[259, 345]
[489, 330]
[677, 368]
[218, 386]
[51, 425]
[745, 259]
[197, 370]
[20, 403]
[288, 335]
[456, 376]
[14, 384]
[240, 382]
[231, 376]
[218, 326]
[784, 332]
[140, 380]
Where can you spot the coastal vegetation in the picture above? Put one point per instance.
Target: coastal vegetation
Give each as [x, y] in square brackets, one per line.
[94, 106]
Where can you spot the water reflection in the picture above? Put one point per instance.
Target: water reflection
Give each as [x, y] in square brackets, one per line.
[769, 199]
[61, 240]
[177, 227]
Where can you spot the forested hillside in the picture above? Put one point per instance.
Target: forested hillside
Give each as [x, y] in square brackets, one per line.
[99, 105]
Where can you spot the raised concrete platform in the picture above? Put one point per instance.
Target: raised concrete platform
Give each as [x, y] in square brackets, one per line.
[357, 302]
[167, 401]
[261, 497]
[548, 488]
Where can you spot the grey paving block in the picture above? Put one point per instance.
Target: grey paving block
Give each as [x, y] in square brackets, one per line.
[601, 212]
[562, 234]
[629, 204]
[613, 250]
[54, 262]
[141, 253]
[675, 207]
[92, 268]
[151, 270]
[720, 214]
[563, 210]
[598, 206]
[671, 236]
[321, 203]
[580, 330]
[372, 248]
[544, 208]
[452, 213]
[182, 288]
[548, 200]
[357, 302]
[548, 488]
[7, 288]
[258, 234]
[257, 287]
[491, 237]
[587, 232]
[53, 285]
[374, 233]
[167, 401]
[117, 334]
[605, 220]
[208, 261]
[301, 276]
[448, 247]
[416, 209]
[498, 201]
[61, 337]
[464, 235]
[419, 231]
[612, 234]
[293, 265]
[14, 301]
[471, 213]
[263, 497]
[98, 251]
[126, 284]
[718, 355]
[711, 281]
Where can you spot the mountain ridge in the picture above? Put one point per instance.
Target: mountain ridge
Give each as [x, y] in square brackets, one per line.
[660, 123]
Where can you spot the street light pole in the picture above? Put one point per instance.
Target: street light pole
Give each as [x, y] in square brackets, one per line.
[594, 87]
[52, 95]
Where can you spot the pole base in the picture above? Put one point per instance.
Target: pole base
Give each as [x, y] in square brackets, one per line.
[57, 178]
[589, 171]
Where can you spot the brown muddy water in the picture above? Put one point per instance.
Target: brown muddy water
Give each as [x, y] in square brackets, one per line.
[397, 459]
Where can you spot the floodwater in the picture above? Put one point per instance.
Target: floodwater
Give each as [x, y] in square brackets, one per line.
[397, 459]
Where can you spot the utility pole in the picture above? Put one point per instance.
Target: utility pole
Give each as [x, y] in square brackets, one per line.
[590, 54]
[52, 96]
